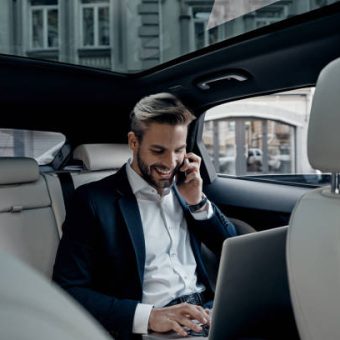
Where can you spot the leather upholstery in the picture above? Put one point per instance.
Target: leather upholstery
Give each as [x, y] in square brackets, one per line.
[28, 228]
[313, 242]
[102, 156]
[33, 308]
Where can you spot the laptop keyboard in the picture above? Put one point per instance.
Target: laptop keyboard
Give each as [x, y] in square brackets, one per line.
[203, 332]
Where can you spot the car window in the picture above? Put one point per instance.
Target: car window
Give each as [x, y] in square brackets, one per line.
[40, 145]
[265, 135]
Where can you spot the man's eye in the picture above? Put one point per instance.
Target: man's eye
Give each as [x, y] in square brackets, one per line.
[157, 152]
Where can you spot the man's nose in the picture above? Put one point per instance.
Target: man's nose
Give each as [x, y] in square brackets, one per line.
[171, 160]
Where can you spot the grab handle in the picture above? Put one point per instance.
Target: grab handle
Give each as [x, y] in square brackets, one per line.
[205, 85]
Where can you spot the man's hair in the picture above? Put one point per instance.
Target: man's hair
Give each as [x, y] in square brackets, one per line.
[161, 108]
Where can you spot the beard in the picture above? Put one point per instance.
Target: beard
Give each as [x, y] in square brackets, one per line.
[146, 173]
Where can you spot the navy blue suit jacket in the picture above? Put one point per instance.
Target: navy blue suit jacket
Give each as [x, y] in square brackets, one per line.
[101, 256]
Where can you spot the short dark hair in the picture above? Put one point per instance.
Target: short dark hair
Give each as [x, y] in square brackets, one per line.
[163, 108]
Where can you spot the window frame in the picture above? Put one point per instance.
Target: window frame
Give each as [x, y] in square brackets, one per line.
[45, 9]
[296, 123]
[264, 20]
[96, 7]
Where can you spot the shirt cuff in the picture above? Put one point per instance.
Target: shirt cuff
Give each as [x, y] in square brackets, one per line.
[204, 214]
[141, 318]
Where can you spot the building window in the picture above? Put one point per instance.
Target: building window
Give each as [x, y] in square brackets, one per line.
[202, 36]
[95, 23]
[44, 24]
[270, 14]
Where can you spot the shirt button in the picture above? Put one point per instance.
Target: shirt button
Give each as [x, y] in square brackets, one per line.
[173, 254]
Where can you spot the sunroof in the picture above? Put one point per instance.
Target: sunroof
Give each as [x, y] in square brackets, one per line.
[132, 35]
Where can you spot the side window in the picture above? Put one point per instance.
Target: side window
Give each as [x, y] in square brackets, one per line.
[260, 135]
[40, 145]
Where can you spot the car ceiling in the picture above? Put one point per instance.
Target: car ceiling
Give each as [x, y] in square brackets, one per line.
[286, 55]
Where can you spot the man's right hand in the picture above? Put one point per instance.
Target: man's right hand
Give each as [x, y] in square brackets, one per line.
[175, 318]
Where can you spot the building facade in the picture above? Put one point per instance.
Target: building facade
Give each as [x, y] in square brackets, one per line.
[125, 35]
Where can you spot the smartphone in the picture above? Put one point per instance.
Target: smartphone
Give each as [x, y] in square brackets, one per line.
[181, 175]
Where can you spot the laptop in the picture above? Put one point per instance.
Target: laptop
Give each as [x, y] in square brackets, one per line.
[252, 299]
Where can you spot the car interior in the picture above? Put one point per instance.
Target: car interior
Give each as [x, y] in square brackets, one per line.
[91, 107]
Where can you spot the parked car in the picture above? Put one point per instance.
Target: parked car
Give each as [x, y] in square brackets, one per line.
[255, 160]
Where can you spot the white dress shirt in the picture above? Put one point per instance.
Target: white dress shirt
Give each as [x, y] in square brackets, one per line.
[170, 265]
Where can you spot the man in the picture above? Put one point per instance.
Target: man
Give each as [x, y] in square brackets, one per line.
[130, 252]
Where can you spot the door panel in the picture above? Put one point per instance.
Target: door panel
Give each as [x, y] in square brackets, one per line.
[262, 205]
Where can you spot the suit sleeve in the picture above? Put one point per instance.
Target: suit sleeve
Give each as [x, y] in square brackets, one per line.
[76, 261]
[214, 230]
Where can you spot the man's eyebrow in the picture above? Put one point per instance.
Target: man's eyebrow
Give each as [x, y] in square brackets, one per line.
[156, 146]
[182, 147]
[161, 147]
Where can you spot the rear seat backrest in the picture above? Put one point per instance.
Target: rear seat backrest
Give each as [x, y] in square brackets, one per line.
[32, 208]
[28, 227]
[98, 160]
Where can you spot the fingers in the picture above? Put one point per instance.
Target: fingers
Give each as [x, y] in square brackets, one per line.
[191, 166]
[191, 163]
[178, 318]
[209, 312]
[175, 326]
[189, 324]
[200, 314]
[193, 176]
[190, 316]
[193, 158]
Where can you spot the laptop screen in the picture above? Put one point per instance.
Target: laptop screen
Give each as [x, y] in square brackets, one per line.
[252, 298]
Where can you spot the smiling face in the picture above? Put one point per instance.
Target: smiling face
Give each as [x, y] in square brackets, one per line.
[159, 154]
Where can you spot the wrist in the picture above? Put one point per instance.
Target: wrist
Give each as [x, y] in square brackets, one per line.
[197, 207]
[151, 316]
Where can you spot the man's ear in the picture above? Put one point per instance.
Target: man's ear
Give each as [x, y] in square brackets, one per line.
[132, 141]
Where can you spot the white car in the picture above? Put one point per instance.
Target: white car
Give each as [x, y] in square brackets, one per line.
[255, 157]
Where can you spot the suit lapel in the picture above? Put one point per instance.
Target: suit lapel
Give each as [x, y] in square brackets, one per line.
[129, 208]
[130, 211]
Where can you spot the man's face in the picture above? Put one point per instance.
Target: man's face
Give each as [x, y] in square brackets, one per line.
[160, 153]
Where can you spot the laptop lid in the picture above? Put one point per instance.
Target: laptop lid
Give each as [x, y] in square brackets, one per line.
[252, 298]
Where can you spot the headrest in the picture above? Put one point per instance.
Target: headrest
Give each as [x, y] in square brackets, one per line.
[18, 170]
[324, 122]
[102, 156]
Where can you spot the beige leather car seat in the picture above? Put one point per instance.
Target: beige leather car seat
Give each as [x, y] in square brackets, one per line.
[99, 161]
[313, 243]
[33, 308]
[28, 227]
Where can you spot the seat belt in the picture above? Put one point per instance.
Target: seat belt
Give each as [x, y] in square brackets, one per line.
[67, 187]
